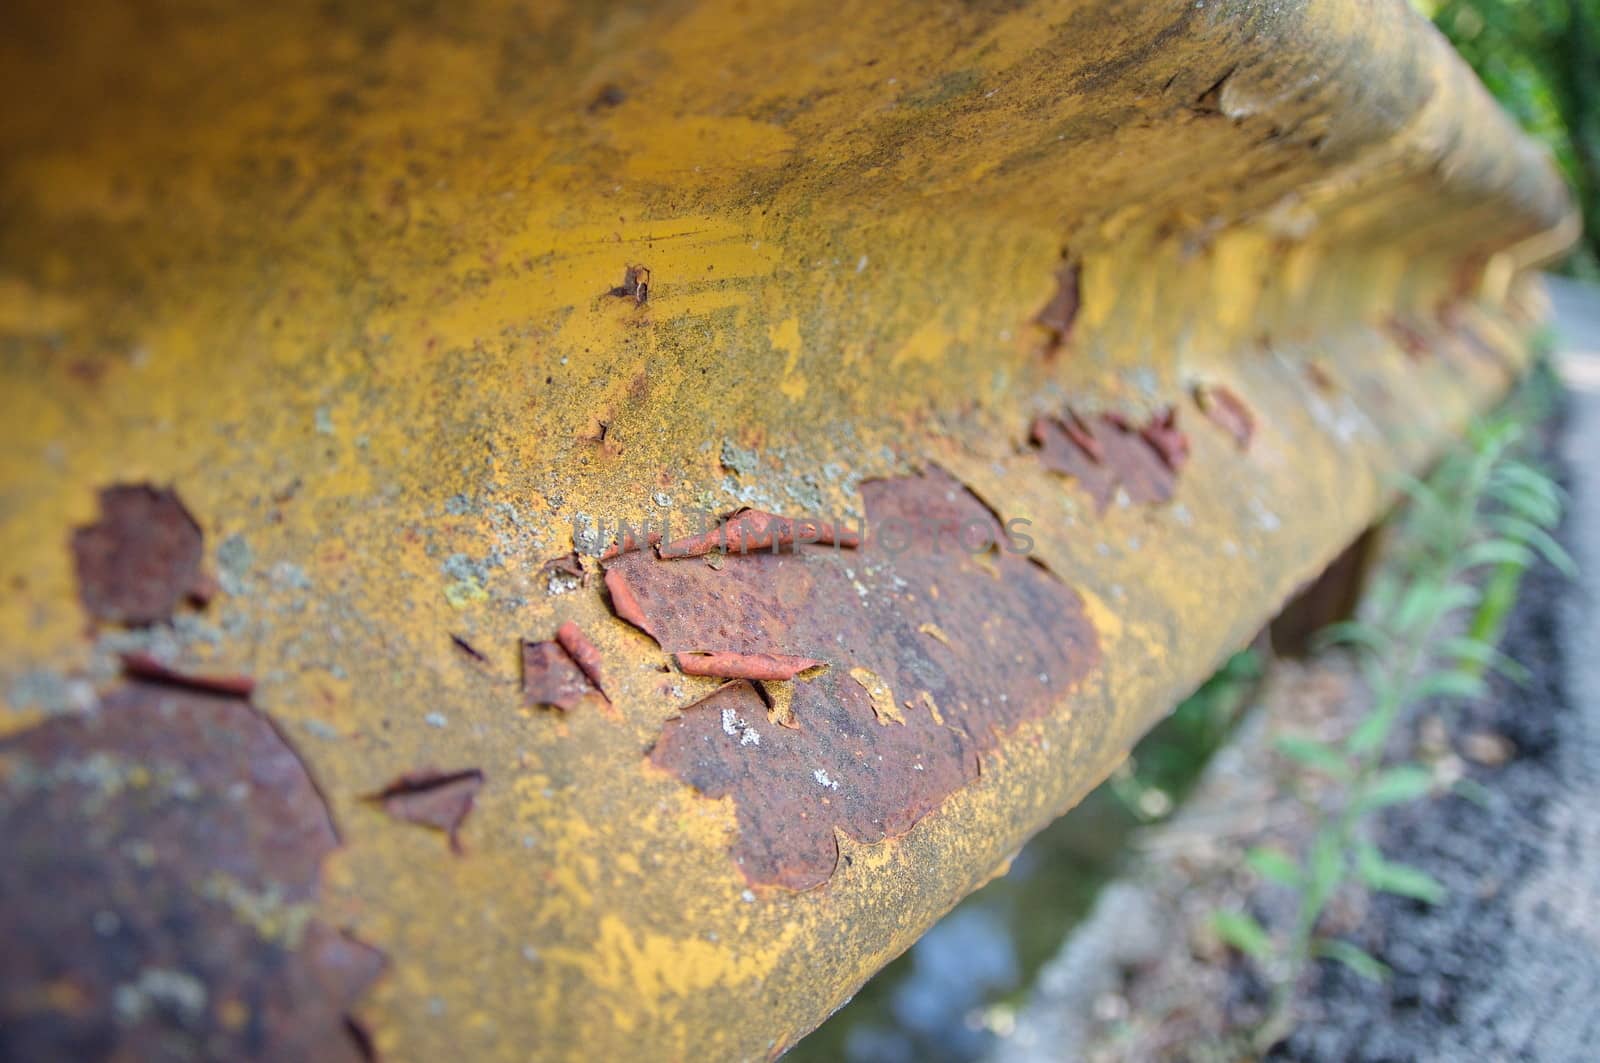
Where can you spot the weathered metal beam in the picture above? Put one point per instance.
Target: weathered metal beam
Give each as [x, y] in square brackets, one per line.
[404, 304]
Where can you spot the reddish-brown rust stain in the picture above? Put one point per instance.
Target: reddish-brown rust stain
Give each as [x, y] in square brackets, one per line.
[1165, 438]
[141, 558]
[144, 666]
[551, 677]
[1062, 450]
[1062, 309]
[1409, 337]
[1107, 451]
[136, 840]
[1228, 412]
[583, 653]
[1320, 378]
[437, 799]
[635, 284]
[761, 666]
[1019, 641]
[753, 529]
[623, 602]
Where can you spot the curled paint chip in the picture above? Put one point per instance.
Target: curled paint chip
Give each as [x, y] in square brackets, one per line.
[158, 892]
[550, 676]
[767, 666]
[144, 666]
[141, 558]
[1228, 412]
[436, 799]
[583, 653]
[752, 529]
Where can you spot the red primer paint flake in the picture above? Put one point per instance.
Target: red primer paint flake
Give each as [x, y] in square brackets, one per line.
[436, 799]
[144, 666]
[758, 666]
[583, 653]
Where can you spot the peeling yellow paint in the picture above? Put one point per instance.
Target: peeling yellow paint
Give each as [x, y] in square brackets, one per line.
[884, 706]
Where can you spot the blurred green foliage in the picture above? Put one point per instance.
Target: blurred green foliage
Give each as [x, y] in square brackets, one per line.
[1541, 59]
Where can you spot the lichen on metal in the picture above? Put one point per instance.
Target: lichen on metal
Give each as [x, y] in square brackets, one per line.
[415, 307]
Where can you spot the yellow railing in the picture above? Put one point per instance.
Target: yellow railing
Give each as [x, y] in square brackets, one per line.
[407, 304]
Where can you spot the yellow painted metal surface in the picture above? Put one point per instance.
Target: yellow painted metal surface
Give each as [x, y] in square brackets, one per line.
[340, 274]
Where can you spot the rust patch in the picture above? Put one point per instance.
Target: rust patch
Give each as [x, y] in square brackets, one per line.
[141, 558]
[1017, 645]
[1228, 412]
[144, 666]
[752, 529]
[436, 799]
[158, 886]
[550, 676]
[1320, 378]
[1108, 451]
[1062, 309]
[766, 666]
[1166, 439]
[635, 285]
[583, 653]
[1063, 451]
[1409, 337]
